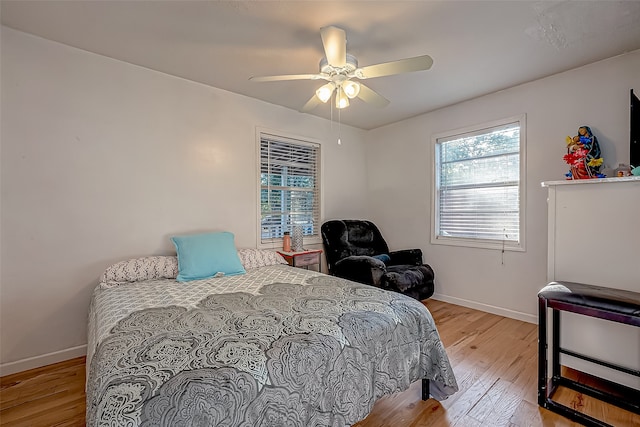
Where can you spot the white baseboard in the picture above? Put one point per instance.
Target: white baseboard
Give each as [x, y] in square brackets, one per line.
[43, 360]
[512, 314]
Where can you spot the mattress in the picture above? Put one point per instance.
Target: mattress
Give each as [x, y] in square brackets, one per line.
[275, 346]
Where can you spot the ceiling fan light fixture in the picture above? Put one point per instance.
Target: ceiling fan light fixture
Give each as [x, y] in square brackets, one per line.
[351, 89]
[342, 101]
[338, 67]
[325, 92]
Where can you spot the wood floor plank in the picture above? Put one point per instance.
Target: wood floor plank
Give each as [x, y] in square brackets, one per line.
[48, 396]
[494, 358]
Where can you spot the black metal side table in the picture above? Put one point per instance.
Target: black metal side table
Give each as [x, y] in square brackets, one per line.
[594, 301]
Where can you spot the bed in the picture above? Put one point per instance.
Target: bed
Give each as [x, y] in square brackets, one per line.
[276, 345]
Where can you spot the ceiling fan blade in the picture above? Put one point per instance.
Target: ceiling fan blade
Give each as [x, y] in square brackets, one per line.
[334, 40]
[418, 63]
[369, 96]
[311, 104]
[286, 77]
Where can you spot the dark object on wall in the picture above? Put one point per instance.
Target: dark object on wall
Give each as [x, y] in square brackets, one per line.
[355, 250]
[634, 130]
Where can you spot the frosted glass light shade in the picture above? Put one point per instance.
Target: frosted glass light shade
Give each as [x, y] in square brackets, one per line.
[351, 89]
[325, 92]
[342, 101]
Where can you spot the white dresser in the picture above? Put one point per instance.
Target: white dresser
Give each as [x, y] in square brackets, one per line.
[594, 238]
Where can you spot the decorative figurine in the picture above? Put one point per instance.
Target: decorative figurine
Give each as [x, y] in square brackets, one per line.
[583, 155]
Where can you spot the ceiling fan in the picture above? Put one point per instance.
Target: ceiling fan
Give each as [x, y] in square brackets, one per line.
[340, 69]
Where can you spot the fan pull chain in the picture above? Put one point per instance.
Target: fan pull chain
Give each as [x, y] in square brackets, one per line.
[331, 102]
[339, 128]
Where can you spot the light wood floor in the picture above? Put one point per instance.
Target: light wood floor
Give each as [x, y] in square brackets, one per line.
[494, 358]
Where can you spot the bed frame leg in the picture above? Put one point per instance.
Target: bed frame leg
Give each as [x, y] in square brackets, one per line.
[425, 389]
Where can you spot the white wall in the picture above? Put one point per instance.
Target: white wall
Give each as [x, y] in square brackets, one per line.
[103, 161]
[400, 177]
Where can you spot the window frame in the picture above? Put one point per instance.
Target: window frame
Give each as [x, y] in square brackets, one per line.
[504, 245]
[293, 139]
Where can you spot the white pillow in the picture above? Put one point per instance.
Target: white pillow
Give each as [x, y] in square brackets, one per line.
[254, 258]
[145, 268]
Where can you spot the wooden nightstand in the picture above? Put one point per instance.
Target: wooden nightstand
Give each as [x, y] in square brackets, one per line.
[303, 258]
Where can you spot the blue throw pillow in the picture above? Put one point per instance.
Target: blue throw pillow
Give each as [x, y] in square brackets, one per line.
[382, 257]
[204, 255]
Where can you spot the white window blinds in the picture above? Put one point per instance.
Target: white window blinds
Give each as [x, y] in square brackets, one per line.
[289, 186]
[478, 184]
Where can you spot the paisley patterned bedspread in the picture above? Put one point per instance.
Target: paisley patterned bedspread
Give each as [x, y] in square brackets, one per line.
[278, 346]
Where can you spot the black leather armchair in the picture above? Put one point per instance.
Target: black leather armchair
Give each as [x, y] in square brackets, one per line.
[355, 250]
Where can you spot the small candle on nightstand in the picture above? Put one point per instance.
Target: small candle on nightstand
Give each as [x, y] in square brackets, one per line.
[286, 242]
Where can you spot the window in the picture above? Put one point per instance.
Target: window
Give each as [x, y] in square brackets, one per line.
[289, 186]
[479, 186]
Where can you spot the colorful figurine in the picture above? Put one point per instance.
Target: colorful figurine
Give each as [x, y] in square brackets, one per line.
[583, 155]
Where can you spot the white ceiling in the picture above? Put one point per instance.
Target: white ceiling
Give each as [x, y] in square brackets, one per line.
[478, 47]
